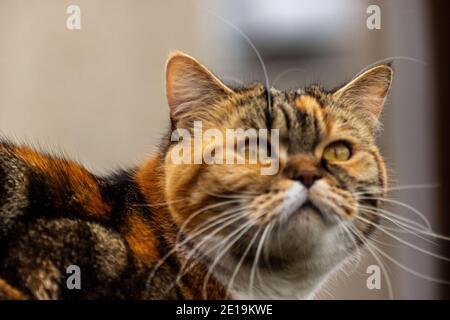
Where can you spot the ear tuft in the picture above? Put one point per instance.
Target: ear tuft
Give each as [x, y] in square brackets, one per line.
[189, 83]
[368, 91]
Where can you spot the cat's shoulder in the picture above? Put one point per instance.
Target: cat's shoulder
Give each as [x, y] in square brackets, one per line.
[61, 182]
[34, 157]
[22, 161]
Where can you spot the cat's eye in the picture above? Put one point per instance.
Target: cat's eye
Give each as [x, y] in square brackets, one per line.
[337, 151]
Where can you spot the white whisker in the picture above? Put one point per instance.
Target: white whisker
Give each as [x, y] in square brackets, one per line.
[403, 241]
[256, 260]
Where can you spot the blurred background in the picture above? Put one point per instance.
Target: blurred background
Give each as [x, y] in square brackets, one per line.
[98, 93]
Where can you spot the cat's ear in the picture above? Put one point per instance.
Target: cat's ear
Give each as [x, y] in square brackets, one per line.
[367, 92]
[189, 84]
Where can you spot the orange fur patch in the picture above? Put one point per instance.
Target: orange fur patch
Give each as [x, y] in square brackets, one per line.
[7, 292]
[148, 179]
[306, 104]
[85, 189]
[142, 240]
[310, 105]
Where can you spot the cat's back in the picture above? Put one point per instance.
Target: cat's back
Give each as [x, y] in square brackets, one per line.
[37, 184]
[13, 187]
[53, 214]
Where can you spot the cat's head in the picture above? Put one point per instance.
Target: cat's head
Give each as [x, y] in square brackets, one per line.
[278, 234]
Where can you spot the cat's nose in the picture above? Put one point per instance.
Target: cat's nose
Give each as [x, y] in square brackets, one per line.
[307, 178]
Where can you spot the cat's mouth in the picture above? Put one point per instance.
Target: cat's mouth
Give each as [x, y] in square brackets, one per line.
[311, 212]
[309, 208]
[308, 205]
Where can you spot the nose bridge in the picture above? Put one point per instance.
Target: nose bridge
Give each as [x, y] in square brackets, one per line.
[305, 163]
[301, 164]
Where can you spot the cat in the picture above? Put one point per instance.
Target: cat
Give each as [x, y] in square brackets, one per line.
[165, 230]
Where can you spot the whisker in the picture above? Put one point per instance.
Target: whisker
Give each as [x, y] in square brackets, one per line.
[404, 228]
[350, 236]
[241, 261]
[185, 268]
[368, 245]
[403, 241]
[196, 213]
[394, 218]
[389, 59]
[256, 260]
[229, 196]
[178, 245]
[246, 38]
[409, 270]
[398, 188]
[283, 73]
[159, 204]
[412, 209]
[415, 186]
[242, 230]
[429, 233]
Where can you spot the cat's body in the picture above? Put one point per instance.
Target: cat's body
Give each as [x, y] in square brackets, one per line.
[130, 233]
[54, 214]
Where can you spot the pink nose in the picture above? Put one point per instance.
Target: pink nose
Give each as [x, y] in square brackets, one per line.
[307, 178]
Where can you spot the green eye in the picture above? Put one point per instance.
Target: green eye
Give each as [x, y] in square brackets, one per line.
[337, 151]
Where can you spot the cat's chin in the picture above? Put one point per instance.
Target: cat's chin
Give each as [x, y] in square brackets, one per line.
[296, 278]
[298, 257]
[308, 215]
[308, 236]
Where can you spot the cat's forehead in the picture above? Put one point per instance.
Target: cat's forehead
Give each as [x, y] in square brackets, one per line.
[305, 100]
[300, 117]
[304, 117]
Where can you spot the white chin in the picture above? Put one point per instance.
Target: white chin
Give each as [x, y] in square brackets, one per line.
[307, 251]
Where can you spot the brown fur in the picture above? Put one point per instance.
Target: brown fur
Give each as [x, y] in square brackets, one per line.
[142, 240]
[67, 174]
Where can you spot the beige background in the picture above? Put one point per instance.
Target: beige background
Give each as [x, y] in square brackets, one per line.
[98, 93]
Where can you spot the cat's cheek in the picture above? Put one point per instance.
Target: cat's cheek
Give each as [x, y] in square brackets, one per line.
[235, 179]
[362, 166]
[335, 204]
[180, 183]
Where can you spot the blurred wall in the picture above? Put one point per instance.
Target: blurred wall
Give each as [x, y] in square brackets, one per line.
[97, 92]
[410, 141]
